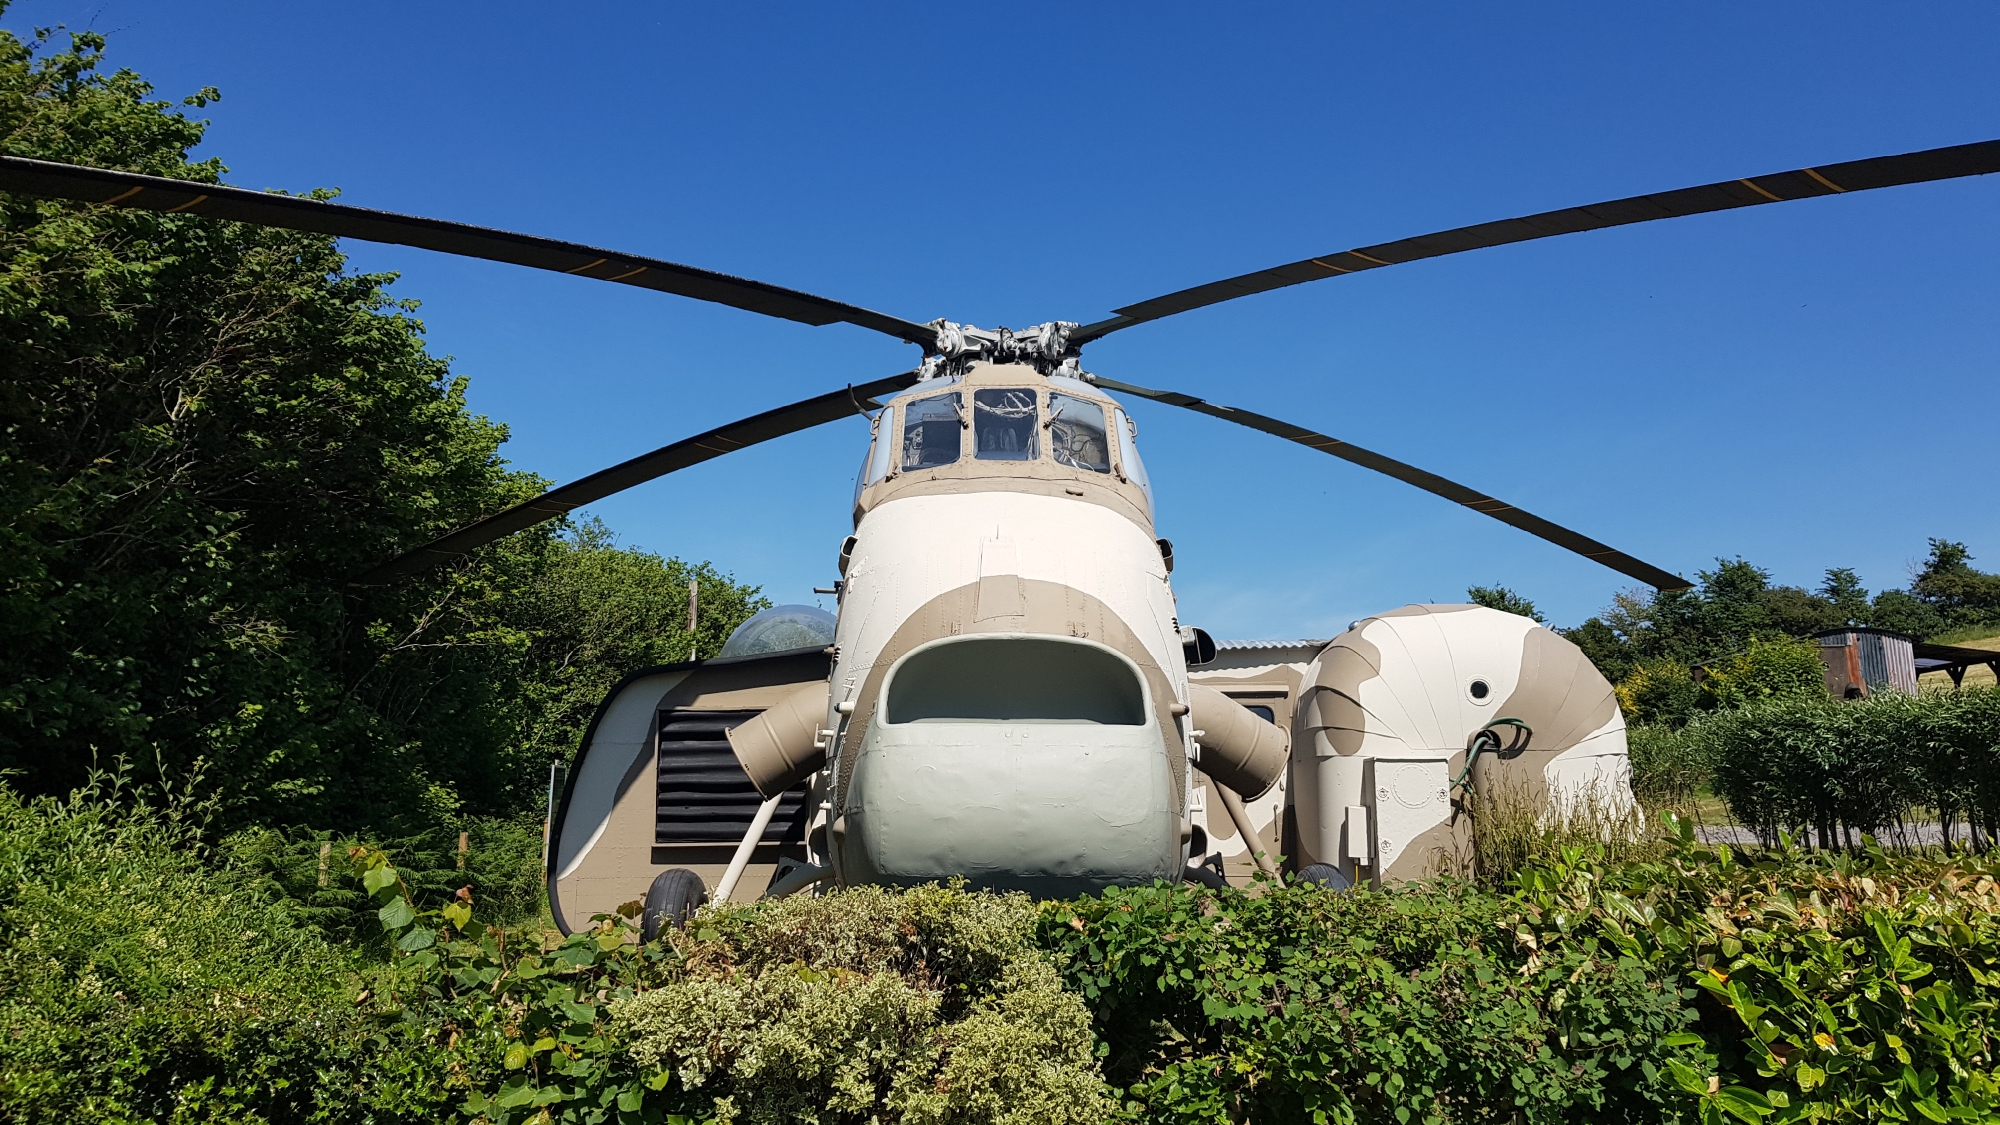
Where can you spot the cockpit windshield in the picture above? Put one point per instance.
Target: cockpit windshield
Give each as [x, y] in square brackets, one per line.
[1003, 424]
[1006, 424]
[1076, 433]
[930, 431]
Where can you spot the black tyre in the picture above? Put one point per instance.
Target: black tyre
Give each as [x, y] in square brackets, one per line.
[672, 898]
[1324, 875]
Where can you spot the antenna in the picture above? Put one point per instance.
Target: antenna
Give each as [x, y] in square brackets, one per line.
[694, 610]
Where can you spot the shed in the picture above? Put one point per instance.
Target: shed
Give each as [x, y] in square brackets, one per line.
[1860, 661]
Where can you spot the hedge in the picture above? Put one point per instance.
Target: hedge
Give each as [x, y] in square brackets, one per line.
[147, 977]
[1836, 769]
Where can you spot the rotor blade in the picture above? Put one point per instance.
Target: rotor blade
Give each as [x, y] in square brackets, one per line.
[667, 459]
[1833, 179]
[1430, 482]
[290, 212]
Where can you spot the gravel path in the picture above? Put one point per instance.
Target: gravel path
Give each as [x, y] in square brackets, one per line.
[1926, 835]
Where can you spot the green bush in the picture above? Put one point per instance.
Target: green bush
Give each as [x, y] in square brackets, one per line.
[1297, 1004]
[503, 869]
[1768, 669]
[147, 977]
[1668, 766]
[1833, 987]
[1838, 768]
[1659, 691]
[139, 982]
[926, 1005]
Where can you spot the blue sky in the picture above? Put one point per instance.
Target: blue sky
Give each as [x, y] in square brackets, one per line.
[1806, 386]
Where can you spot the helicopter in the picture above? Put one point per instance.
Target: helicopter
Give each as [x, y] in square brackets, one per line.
[1007, 693]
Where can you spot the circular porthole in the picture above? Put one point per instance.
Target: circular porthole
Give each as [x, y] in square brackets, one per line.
[1479, 692]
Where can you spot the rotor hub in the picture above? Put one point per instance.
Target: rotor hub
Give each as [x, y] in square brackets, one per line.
[1044, 347]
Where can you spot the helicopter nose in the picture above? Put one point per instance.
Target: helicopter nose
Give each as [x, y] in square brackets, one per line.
[1018, 761]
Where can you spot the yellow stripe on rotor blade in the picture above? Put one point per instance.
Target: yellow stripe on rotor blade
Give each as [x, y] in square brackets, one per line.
[1761, 191]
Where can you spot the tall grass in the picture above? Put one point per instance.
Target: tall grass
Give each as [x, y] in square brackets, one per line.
[1511, 829]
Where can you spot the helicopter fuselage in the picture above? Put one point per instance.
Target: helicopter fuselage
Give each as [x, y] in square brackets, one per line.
[1009, 694]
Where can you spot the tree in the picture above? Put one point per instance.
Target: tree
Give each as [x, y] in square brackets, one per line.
[596, 614]
[1963, 597]
[1845, 596]
[1770, 667]
[1504, 600]
[1602, 644]
[1900, 611]
[206, 430]
[1659, 691]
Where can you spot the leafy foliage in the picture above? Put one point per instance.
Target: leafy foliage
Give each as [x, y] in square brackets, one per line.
[1668, 692]
[1833, 987]
[930, 1005]
[502, 867]
[1296, 1004]
[1668, 767]
[1504, 600]
[594, 613]
[207, 429]
[141, 980]
[1736, 605]
[1838, 768]
[146, 977]
[526, 1028]
[1659, 691]
[1767, 669]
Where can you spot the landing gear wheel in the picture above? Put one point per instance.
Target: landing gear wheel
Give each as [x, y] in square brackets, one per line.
[672, 898]
[1324, 875]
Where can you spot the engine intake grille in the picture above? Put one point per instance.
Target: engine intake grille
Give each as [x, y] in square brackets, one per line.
[704, 797]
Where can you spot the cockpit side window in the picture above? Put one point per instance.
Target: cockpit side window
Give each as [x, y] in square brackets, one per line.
[1003, 424]
[1076, 433]
[1128, 454]
[875, 463]
[930, 431]
[880, 448]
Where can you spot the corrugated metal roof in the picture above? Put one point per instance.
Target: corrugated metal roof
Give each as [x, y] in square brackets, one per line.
[1225, 646]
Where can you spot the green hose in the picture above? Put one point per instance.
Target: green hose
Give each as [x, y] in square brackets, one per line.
[1485, 739]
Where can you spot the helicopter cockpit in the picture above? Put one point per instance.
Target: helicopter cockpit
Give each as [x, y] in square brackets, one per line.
[966, 429]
